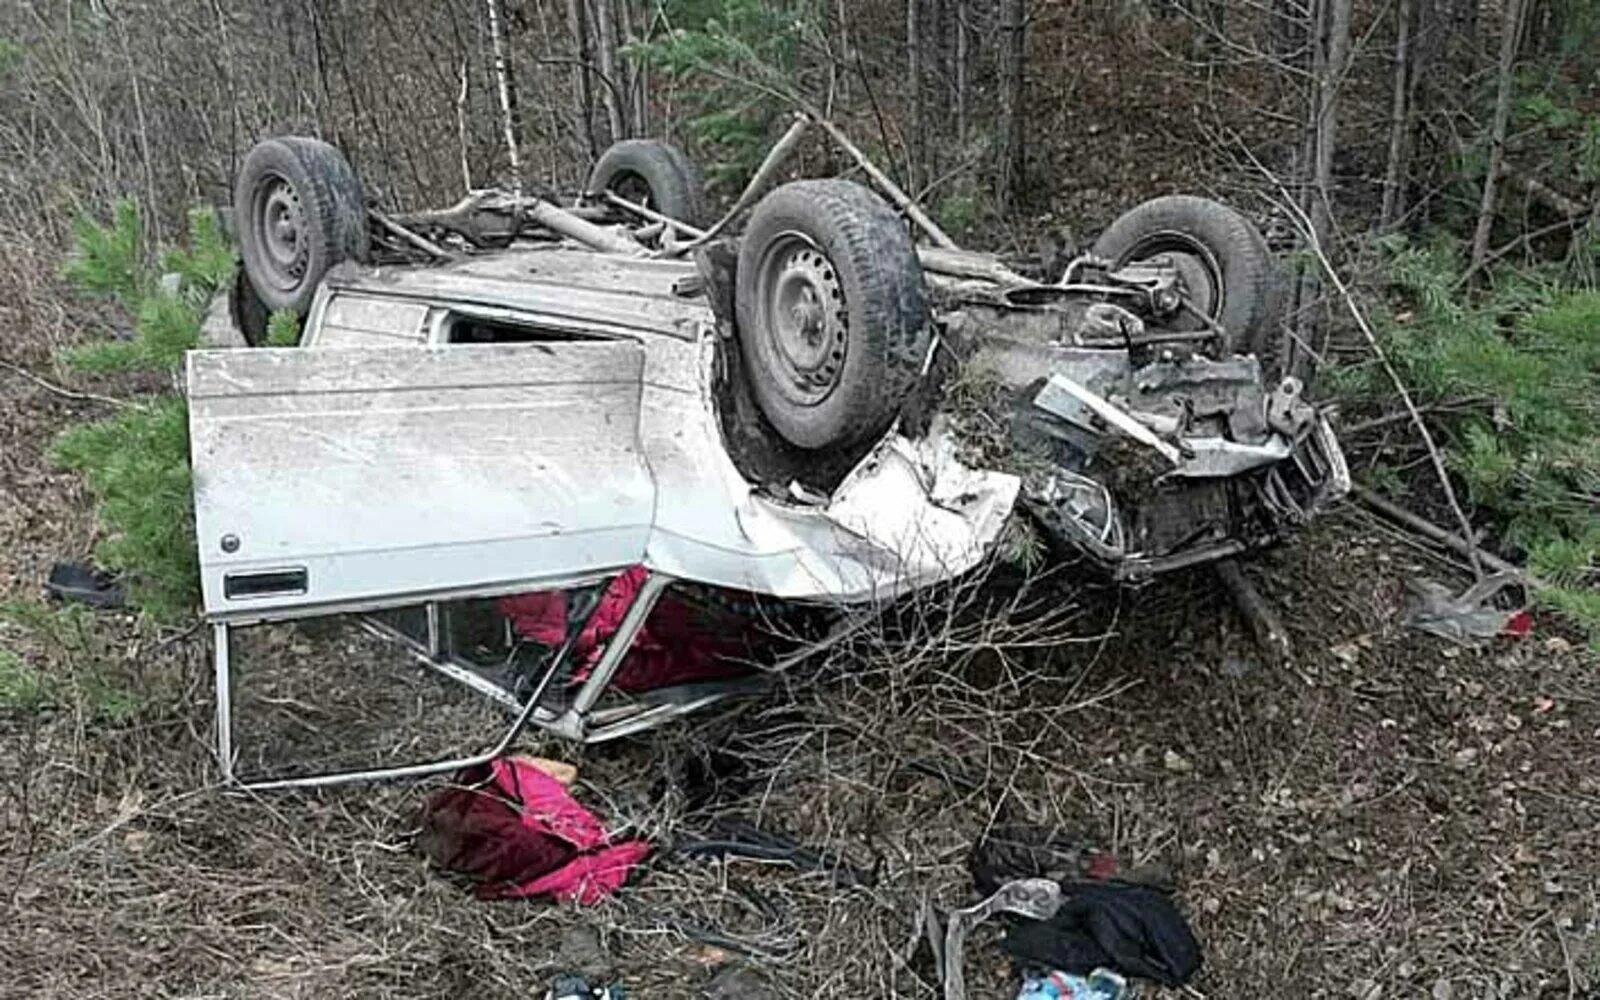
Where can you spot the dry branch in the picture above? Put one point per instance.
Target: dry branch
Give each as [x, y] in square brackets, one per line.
[1449, 540]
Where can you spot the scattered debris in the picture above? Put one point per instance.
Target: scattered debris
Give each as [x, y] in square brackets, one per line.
[738, 840]
[569, 987]
[1470, 616]
[1101, 984]
[1071, 926]
[1131, 929]
[517, 831]
[1035, 898]
[82, 584]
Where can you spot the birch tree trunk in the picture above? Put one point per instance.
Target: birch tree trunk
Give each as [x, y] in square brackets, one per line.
[510, 116]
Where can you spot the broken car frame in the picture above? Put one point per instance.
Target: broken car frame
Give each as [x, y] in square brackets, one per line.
[511, 396]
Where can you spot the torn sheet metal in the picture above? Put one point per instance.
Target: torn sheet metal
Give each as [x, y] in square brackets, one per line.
[1067, 398]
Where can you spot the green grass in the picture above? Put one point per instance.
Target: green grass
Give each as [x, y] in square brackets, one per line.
[283, 330]
[83, 666]
[21, 687]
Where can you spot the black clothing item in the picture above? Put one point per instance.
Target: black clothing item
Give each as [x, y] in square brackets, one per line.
[1135, 931]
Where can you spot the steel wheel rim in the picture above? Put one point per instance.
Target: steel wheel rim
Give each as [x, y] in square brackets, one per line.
[278, 223]
[631, 186]
[1199, 272]
[802, 318]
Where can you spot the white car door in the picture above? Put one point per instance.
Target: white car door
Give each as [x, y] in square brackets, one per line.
[341, 478]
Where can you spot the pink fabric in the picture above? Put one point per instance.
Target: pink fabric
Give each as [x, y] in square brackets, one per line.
[546, 805]
[547, 808]
[677, 645]
[520, 833]
[541, 617]
[588, 878]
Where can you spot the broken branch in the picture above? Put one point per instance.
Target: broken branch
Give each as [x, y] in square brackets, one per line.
[1257, 613]
[889, 187]
[1433, 532]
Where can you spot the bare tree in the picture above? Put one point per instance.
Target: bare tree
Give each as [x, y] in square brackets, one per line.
[511, 116]
[612, 94]
[577, 24]
[916, 146]
[1012, 162]
[1328, 33]
[1400, 110]
[1510, 29]
[963, 42]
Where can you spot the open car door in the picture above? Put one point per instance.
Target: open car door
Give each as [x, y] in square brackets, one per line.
[345, 478]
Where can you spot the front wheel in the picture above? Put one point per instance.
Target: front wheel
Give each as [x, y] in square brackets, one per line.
[833, 318]
[1221, 259]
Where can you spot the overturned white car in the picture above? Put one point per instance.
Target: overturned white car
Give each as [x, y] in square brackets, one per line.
[508, 398]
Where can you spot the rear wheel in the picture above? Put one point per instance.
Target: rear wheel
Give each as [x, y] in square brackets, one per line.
[654, 174]
[833, 316]
[299, 210]
[1221, 260]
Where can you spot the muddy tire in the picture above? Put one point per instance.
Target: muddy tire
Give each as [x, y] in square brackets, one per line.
[652, 173]
[832, 313]
[1223, 259]
[299, 210]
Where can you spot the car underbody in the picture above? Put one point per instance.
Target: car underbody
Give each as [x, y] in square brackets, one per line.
[510, 398]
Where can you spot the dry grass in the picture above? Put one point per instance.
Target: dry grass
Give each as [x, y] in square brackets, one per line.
[1385, 816]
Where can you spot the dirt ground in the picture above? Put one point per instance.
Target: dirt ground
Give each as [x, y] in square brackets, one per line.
[1386, 816]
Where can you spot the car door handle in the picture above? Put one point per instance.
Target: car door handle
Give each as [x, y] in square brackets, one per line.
[267, 583]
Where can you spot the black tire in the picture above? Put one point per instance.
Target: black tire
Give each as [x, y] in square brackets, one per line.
[1216, 247]
[299, 210]
[653, 173]
[833, 316]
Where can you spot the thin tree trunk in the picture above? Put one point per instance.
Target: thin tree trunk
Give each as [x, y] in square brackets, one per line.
[510, 116]
[1302, 326]
[606, 39]
[638, 26]
[1014, 20]
[581, 88]
[1394, 179]
[916, 146]
[1330, 37]
[1328, 85]
[1497, 132]
[962, 42]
